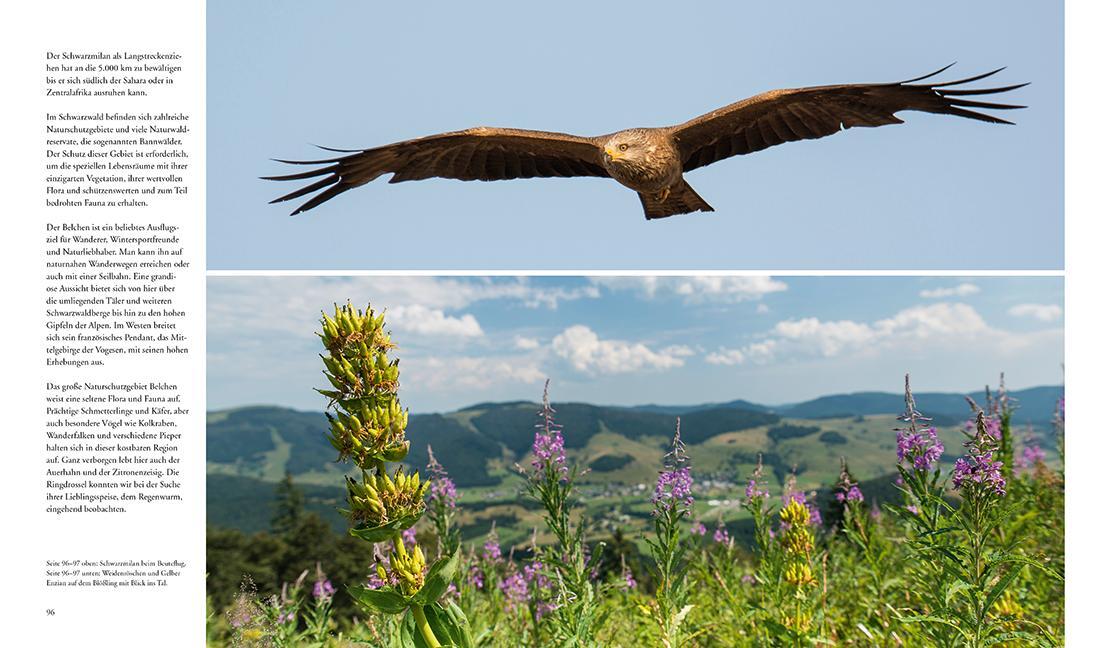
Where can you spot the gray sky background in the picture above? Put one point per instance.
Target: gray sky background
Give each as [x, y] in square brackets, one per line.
[637, 340]
[937, 192]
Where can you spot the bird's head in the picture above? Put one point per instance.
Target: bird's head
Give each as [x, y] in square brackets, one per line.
[628, 146]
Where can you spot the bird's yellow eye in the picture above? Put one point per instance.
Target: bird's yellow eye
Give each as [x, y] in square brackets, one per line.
[623, 147]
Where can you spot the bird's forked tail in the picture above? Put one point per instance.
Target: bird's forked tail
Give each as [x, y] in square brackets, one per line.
[682, 199]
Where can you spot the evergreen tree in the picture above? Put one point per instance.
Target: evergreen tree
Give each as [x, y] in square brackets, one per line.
[289, 508]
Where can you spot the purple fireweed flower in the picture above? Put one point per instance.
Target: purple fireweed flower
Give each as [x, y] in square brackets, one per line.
[852, 495]
[322, 589]
[441, 488]
[491, 550]
[815, 515]
[721, 534]
[1032, 455]
[992, 425]
[534, 574]
[673, 490]
[979, 469]
[547, 445]
[673, 486]
[477, 577]
[373, 581]
[748, 579]
[409, 537]
[515, 589]
[920, 449]
[630, 582]
[755, 489]
[548, 448]
[847, 489]
[912, 508]
[698, 528]
[978, 466]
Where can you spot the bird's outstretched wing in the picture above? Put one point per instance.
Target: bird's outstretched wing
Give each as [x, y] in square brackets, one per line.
[473, 154]
[782, 116]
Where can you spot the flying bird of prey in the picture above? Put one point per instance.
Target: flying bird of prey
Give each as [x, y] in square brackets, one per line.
[650, 161]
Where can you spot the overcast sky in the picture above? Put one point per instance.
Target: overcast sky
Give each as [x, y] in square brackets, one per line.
[637, 340]
[937, 192]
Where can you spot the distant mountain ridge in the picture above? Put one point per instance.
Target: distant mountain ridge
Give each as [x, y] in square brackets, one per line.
[1035, 405]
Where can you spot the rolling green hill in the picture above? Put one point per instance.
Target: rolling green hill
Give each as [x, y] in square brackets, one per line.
[251, 448]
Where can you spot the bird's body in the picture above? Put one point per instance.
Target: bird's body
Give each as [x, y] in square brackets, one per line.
[650, 161]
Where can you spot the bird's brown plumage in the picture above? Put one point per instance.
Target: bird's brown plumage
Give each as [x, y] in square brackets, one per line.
[744, 127]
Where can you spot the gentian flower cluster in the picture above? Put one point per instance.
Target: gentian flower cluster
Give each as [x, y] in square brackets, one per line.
[797, 542]
[790, 494]
[367, 426]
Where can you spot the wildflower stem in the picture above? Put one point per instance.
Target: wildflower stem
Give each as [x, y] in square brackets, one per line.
[422, 625]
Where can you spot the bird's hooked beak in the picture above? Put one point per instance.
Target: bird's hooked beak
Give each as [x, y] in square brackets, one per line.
[613, 153]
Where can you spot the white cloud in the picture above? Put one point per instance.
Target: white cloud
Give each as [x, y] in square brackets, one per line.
[728, 289]
[525, 343]
[762, 309]
[1042, 312]
[422, 320]
[828, 338]
[550, 297]
[960, 290]
[678, 350]
[726, 357]
[933, 326]
[465, 372]
[586, 352]
[292, 304]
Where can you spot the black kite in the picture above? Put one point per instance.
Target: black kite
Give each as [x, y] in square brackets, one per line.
[650, 161]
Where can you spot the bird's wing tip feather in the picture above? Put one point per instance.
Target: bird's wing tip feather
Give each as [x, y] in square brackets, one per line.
[926, 76]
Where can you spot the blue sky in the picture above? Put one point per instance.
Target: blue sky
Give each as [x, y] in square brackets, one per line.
[935, 193]
[636, 340]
